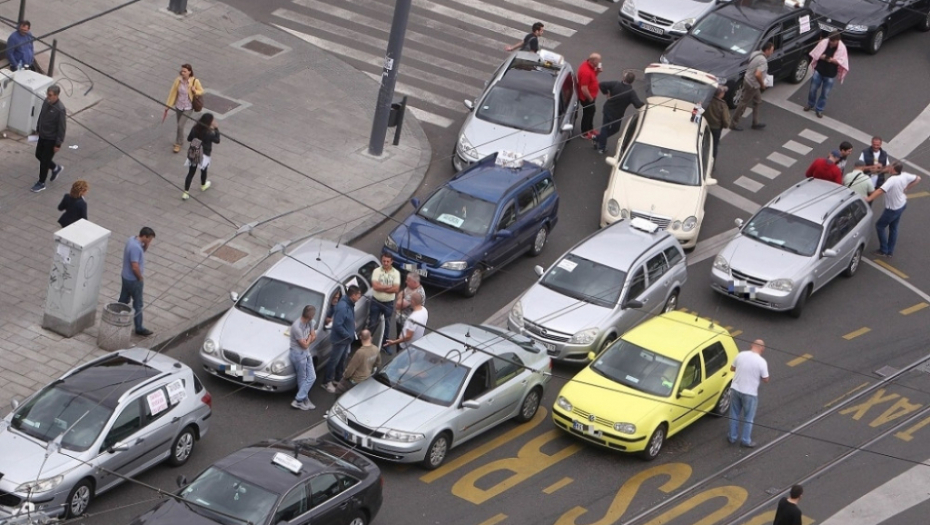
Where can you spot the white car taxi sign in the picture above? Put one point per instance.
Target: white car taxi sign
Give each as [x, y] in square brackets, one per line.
[287, 462]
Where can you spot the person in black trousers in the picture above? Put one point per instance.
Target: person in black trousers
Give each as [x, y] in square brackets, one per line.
[619, 96]
[73, 204]
[202, 137]
[51, 130]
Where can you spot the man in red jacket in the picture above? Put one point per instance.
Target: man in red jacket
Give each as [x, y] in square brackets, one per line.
[587, 92]
[826, 169]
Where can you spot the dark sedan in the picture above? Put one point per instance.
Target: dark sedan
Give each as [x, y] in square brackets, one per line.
[867, 24]
[298, 483]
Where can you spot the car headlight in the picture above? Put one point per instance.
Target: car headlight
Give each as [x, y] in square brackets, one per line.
[406, 437]
[564, 404]
[209, 346]
[682, 25]
[540, 160]
[663, 60]
[42, 485]
[676, 225]
[629, 8]
[516, 314]
[782, 285]
[689, 223]
[721, 264]
[278, 366]
[455, 265]
[625, 428]
[613, 208]
[624, 213]
[466, 148]
[856, 28]
[339, 413]
[585, 337]
[390, 243]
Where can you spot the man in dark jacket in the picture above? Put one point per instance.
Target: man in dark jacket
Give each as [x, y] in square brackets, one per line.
[717, 116]
[341, 337]
[51, 130]
[619, 96]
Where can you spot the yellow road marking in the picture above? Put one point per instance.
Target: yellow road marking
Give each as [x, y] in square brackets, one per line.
[557, 485]
[798, 360]
[495, 519]
[847, 394]
[890, 268]
[918, 194]
[767, 517]
[916, 308]
[857, 333]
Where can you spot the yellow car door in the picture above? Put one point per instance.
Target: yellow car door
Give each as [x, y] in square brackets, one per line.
[689, 395]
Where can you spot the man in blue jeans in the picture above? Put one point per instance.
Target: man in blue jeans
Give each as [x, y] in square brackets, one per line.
[895, 202]
[830, 63]
[751, 369]
[341, 336]
[132, 275]
[302, 336]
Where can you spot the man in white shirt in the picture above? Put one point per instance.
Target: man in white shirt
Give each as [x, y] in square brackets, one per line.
[751, 369]
[895, 202]
[385, 283]
[414, 326]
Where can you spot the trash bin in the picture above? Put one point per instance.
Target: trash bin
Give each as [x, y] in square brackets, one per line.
[115, 327]
[397, 110]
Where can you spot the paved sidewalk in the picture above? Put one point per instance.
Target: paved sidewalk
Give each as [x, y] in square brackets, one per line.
[295, 132]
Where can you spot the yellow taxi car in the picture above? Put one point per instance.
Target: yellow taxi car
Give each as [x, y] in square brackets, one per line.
[651, 383]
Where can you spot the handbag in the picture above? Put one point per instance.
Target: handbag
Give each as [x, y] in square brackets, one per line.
[197, 103]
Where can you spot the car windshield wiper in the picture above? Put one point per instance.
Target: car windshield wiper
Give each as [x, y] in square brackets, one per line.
[383, 378]
[257, 313]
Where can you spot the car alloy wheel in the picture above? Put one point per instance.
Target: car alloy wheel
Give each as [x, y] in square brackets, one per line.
[473, 282]
[671, 303]
[436, 453]
[358, 519]
[875, 43]
[182, 447]
[737, 94]
[802, 300]
[655, 443]
[539, 242]
[79, 499]
[723, 404]
[924, 26]
[800, 71]
[854, 263]
[529, 407]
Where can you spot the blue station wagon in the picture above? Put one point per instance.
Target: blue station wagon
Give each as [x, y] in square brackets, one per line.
[485, 217]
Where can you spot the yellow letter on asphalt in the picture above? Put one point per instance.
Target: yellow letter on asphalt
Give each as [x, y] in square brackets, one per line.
[900, 408]
[907, 435]
[734, 495]
[876, 398]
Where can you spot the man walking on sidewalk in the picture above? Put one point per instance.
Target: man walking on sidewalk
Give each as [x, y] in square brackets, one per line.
[753, 86]
[302, 336]
[132, 275]
[895, 202]
[830, 63]
[587, 93]
[51, 130]
[619, 96]
[750, 368]
[788, 512]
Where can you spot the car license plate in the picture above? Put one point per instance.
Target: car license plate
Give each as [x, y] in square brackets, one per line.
[651, 28]
[549, 346]
[422, 272]
[363, 441]
[579, 426]
[239, 371]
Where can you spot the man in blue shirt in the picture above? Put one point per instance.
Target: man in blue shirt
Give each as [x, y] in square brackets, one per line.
[19, 50]
[132, 275]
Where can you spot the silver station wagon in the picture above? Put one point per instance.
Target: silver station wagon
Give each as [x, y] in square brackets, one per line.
[794, 245]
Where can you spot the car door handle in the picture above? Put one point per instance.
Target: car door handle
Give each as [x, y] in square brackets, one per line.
[856, 234]
[175, 420]
[490, 401]
[140, 440]
[523, 382]
[701, 391]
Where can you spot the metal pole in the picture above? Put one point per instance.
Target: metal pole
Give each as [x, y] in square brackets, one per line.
[51, 59]
[22, 12]
[400, 120]
[389, 77]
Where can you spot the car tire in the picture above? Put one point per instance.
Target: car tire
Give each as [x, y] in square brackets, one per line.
[854, 262]
[924, 25]
[671, 303]
[437, 452]
[876, 41]
[473, 283]
[539, 241]
[655, 443]
[358, 518]
[609, 340]
[182, 447]
[79, 499]
[722, 408]
[530, 405]
[802, 301]
[737, 94]
[800, 70]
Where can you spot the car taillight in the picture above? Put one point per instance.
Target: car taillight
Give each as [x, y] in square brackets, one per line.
[381, 479]
[550, 364]
[207, 399]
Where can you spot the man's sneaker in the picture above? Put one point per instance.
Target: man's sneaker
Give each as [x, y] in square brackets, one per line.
[37, 187]
[296, 404]
[758, 126]
[56, 171]
[205, 187]
[601, 151]
[330, 388]
[185, 196]
[307, 405]
[819, 114]
[145, 332]
[807, 108]
[736, 128]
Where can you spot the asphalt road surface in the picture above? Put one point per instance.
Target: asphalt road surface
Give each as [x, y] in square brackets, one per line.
[843, 413]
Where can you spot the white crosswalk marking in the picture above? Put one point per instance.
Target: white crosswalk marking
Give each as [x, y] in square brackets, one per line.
[526, 20]
[551, 11]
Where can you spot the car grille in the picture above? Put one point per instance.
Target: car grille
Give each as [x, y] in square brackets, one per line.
[661, 222]
[9, 500]
[535, 329]
[587, 417]
[755, 281]
[653, 19]
[827, 28]
[234, 357]
[418, 257]
[364, 430]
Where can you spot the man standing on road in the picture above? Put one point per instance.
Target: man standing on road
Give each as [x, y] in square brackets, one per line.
[51, 130]
[846, 149]
[717, 116]
[19, 48]
[788, 512]
[826, 169]
[830, 63]
[341, 337]
[619, 96]
[385, 283]
[302, 336]
[753, 86]
[530, 41]
[587, 93]
[858, 181]
[363, 362]
[894, 189]
[415, 326]
[877, 162]
[750, 368]
[132, 275]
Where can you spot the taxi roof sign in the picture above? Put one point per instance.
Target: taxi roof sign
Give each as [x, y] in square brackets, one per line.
[290, 464]
[509, 159]
[550, 58]
[644, 224]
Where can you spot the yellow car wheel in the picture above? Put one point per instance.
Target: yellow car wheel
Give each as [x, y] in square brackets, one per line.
[654, 446]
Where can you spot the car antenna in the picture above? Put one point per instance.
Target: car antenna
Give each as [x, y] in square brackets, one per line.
[338, 242]
[296, 450]
[319, 252]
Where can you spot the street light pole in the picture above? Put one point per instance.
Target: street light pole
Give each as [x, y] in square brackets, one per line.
[389, 77]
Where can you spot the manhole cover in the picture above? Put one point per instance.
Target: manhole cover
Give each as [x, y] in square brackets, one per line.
[262, 48]
[886, 371]
[219, 104]
[229, 254]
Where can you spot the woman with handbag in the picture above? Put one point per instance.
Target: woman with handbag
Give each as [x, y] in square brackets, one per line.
[202, 137]
[186, 96]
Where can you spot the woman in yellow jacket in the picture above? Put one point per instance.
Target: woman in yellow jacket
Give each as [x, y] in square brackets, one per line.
[181, 97]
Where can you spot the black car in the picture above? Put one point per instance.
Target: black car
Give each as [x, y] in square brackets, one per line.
[293, 482]
[721, 42]
[867, 24]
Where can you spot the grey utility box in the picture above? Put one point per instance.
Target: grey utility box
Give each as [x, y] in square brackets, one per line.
[29, 90]
[6, 96]
[74, 282]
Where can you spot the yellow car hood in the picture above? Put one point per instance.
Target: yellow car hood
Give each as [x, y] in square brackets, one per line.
[595, 394]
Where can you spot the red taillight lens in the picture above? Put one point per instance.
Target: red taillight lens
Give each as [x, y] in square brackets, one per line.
[550, 364]
[207, 399]
[381, 479]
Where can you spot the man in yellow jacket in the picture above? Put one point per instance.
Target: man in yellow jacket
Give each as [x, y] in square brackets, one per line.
[183, 92]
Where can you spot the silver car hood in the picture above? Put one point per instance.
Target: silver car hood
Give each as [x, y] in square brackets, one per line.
[251, 336]
[22, 459]
[758, 259]
[675, 10]
[559, 312]
[488, 138]
[394, 409]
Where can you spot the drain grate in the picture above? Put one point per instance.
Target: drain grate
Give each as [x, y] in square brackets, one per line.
[219, 104]
[262, 48]
[229, 254]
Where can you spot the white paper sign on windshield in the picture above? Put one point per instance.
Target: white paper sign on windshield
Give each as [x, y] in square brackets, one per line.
[567, 265]
[157, 402]
[451, 220]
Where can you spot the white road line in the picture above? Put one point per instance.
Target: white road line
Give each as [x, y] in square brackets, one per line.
[527, 20]
[749, 184]
[402, 89]
[515, 34]
[585, 4]
[905, 491]
[901, 281]
[813, 136]
[431, 118]
[418, 94]
[765, 171]
[913, 135]
[377, 42]
[734, 199]
[797, 147]
[843, 129]
[780, 158]
[551, 11]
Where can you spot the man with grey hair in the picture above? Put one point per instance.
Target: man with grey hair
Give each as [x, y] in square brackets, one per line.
[404, 305]
[717, 115]
[51, 130]
[414, 327]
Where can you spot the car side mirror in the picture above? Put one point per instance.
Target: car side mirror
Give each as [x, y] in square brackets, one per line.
[469, 104]
[710, 182]
[592, 356]
[829, 252]
[181, 481]
[632, 303]
[688, 27]
[738, 223]
[611, 161]
[504, 234]
[471, 403]
[118, 447]
[14, 403]
[568, 127]
[539, 270]
[233, 296]
[415, 202]
[687, 394]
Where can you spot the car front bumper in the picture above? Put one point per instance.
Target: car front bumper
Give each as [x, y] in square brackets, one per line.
[258, 379]
[437, 277]
[640, 28]
[596, 433]
[557, 345]
[371, 442]
[51, 503]
[762, 297]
